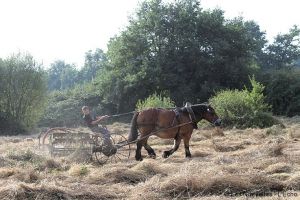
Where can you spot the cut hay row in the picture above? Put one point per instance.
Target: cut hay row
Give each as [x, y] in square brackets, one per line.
[234, 164]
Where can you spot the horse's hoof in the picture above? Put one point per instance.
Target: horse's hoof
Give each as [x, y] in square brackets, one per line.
[166, 154]
[188, 156]
[138, 158]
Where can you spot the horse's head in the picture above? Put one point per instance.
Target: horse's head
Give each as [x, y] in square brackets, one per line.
[205, 111]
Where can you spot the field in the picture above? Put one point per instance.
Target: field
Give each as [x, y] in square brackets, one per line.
[225, 164]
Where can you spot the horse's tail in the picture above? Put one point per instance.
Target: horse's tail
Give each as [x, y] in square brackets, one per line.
[133, 130]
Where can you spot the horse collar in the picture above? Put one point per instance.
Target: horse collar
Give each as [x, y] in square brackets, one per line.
[192, 115]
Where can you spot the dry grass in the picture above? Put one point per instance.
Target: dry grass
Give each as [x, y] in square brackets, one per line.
[278, 168]
[7, 172]
[78, 170]
[225, 164]
[226, 147]
[276, 149]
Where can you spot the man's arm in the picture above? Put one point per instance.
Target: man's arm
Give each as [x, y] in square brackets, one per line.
[99, 118]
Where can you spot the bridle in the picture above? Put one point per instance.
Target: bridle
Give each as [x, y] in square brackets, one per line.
[193, 117]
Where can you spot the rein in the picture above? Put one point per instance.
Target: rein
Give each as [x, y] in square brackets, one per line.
[122, 114]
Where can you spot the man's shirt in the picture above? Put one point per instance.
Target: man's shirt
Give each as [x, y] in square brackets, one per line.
[88, 120]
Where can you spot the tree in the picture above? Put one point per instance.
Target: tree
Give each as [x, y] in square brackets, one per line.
[61, 75]
[283, 91]
[180, 48]
[94, 62]
[284, 51]
[23, 90]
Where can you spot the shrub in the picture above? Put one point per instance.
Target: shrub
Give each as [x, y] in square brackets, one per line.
[155, 101]
[245, 108]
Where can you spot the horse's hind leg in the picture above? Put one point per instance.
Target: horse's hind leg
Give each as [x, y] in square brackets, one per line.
[150, 151]
[138, 153]
[186, 140]
[177, 141]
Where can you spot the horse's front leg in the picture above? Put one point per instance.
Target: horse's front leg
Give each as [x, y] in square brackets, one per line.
[177, 141]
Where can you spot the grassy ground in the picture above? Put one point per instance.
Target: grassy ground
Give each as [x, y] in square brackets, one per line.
[229, 164]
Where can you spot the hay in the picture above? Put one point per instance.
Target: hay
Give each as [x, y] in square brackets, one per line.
[206, 184]
[278, 168]
[265, 184]
[276, 149]
[150, 167]
[27, 176]
[24, 155]
[294, 182]
[52, 164]
[275, 130]
[226, 148]
[218, 132]
[116, 174]
[200, 154]
[79, 156]
[244, 162]
[78, 170]
[148, 189]
[294, 132]
[7, 172]
[4, 162]
[53, 192]
[130, 177]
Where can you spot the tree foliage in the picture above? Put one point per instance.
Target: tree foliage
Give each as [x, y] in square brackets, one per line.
[181, 48]
[23, 91]
[283, 91]
[178, 47]
[94, 63]
[155, 101]
[61, 75]
[283, 52]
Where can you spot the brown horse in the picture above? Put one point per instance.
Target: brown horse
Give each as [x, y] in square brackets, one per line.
[154, 119]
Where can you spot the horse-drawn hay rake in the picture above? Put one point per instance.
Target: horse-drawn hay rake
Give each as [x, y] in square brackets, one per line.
[65, 141]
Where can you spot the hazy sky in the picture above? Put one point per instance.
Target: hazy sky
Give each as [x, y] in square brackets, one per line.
[66, 29]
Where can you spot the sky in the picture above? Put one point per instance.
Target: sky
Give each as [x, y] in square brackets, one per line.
[65, 29]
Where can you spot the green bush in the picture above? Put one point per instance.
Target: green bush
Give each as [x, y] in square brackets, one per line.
[155, 101]
[245, 108]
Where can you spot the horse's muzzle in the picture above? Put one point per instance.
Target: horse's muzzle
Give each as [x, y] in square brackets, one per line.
[218, 122]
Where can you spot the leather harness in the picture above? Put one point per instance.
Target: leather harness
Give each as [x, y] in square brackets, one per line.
[187, 108]
[191, 116]
[177, 117]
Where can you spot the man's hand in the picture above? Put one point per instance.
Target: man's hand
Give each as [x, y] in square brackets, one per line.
[100, 118]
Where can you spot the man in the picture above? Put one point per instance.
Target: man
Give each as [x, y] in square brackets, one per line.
[92, 122]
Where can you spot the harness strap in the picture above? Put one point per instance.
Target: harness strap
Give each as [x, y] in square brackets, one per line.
[191, 115]
[177, 117]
